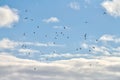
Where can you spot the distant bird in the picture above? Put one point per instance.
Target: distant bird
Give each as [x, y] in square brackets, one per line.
[23, 46]
[86, 22]
[96, 40]
[85, 36]
[61, 32]
[80, 48]
[76, 49]
[55, 32]
[24, 34]
[55, 37]
[31, 19]
[37, 26]
[34, 68]
[53, 42]
[68, 37]
[26, 18]
[104, 13]
[89, 50]
[64, 27]
[45, 35]
[26, 10]
[33, 32]
[93, 47]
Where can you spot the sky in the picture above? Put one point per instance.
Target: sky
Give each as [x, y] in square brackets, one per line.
[59, 39]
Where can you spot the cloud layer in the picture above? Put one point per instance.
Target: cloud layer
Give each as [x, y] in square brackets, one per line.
[8, 16]
[104, 68]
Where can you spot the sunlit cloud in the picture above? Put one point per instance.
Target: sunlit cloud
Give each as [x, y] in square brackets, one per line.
[8, 16]
[112, 38]
[51, 20]
[112, 7]
[73, 69]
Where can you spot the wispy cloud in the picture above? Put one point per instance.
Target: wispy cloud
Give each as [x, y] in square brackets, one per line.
[112, 7]
[8, 16]
[74, 5]
[62, 27]
[28, 51]
[105, 68]
[6, 43]
[107, 38]
[51, 20]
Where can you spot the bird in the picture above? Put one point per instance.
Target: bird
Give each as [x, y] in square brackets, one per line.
[64, 27]
[53, 42]
[104, 13]
[45, 35]
[33, 32]
[96, 40]
[26, 18]
[76, 49]
[85, 36]
[31, 19]
[34, 68]
[86, 22]
[26, 10]
[67, 37]
[80, 48]
[89, 50]
[24, 34]
[93, 47]
[37, 26]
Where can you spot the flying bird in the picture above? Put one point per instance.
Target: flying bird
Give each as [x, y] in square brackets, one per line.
[85, 36]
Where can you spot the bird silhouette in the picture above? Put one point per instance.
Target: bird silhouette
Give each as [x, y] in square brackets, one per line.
[85, 36]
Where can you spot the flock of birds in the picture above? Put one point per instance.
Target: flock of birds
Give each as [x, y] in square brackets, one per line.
[57, 36]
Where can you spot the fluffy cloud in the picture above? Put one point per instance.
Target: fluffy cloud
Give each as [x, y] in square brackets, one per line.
[7, 44]
[112, 7]
[74, 5]
[51, 20]
[8, 16]
[105, 68]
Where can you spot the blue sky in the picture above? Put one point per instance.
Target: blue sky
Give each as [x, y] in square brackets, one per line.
[61, 33]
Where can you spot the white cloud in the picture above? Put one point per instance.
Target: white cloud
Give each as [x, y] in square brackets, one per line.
[62, 27]
[7, 44]
[8, 16]
[51, 20]
[74, 5]
[105, 68]
[28, 51]
[112, 38]
[107, 37]
[112, 7]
